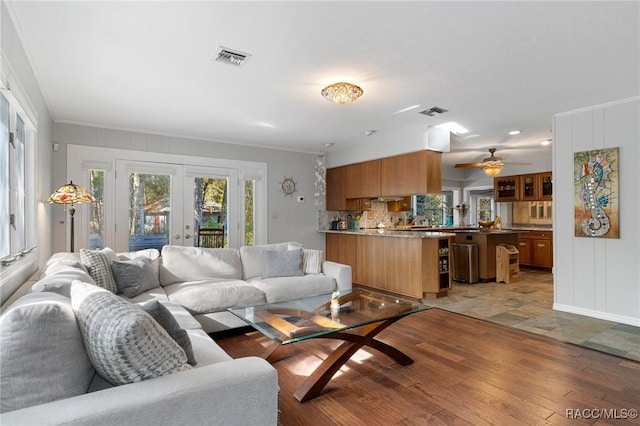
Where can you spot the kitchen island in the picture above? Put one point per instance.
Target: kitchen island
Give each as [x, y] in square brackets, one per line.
[487, 242]
[412, 264]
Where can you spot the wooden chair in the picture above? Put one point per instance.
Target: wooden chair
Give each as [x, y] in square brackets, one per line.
[211, 237]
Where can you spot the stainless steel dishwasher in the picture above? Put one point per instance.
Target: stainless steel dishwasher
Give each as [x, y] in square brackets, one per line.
[465, 263]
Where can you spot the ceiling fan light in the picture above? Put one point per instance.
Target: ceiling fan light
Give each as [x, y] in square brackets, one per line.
[341, 93]
[491, 169]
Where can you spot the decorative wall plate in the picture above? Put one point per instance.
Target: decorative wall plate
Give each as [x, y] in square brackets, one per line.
[288, 186]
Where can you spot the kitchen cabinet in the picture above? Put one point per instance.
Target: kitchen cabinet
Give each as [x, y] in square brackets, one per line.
[363, 180]
[402, 205]
[527, 187]
[536, 187]
[411, 267]
[414, 173]
[536, 249]
[335, 192]
[506, 188]
[341, 248]
[358, 204]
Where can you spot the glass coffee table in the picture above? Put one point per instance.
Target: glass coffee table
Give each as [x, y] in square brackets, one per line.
[355, 317]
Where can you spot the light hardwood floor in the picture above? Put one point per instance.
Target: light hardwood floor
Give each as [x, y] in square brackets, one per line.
[467, 371]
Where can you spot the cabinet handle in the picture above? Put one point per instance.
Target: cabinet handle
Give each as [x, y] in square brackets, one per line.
[541, 245]
[522, 244]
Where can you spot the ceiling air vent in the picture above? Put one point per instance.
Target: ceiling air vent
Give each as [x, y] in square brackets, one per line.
[230, 56]
[433, 111]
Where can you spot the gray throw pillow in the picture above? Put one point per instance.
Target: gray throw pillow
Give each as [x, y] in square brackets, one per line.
[124, 343]
[163, 316]
[42, 356]
[134, 276]
[282, 263]
[99, 267]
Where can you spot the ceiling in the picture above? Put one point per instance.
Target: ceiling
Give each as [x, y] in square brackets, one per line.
[496, 66]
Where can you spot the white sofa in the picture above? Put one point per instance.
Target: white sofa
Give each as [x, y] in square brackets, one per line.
[196, 286]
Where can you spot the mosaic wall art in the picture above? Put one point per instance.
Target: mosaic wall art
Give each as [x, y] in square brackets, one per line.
[595, 195]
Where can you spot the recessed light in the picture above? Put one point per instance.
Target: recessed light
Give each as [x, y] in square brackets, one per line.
[369, 132]
[545, 142]
[329, 145]
[514, 132]
[453, 127]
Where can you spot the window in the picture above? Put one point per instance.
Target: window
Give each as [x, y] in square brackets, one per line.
[15, 199]
[483, 206]
[96, 215]
[434, 209]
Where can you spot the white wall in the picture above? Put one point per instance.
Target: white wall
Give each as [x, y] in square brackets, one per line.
[17, 74]
[288, 220]
[598, 277]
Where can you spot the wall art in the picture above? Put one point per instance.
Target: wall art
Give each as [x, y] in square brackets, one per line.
[596, 203]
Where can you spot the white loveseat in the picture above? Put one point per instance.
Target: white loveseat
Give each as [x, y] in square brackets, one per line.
[44, 365]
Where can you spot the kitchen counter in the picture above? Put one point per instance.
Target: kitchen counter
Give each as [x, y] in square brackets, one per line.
[391, 233]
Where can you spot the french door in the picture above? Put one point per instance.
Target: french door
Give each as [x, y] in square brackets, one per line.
[164, 203]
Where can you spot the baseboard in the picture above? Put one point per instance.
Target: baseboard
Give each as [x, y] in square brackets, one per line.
[597, 314]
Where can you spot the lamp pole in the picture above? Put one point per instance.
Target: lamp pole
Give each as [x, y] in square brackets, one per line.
[72, 211]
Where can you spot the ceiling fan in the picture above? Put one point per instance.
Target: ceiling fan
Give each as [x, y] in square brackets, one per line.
[491, 165]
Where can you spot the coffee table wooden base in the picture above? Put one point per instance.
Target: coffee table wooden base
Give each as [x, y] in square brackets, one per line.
[353, 341]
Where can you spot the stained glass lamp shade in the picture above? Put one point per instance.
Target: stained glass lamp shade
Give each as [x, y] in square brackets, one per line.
[71, 193]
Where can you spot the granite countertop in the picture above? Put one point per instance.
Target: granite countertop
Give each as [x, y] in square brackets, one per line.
[391, 233]
[548, 228]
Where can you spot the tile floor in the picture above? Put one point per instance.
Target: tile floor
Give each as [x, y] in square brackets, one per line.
[527, 305]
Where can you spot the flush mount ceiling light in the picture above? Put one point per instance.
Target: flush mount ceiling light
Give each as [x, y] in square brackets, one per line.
[515, 132]
[545, 142]
[341, 93]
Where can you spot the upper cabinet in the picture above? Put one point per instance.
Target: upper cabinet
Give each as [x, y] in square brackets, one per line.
[529, 187]
[363, 180]
[336, 179]
[351, 187]
[414, 173]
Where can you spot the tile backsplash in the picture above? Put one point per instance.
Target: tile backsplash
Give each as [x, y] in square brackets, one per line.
[369, 219]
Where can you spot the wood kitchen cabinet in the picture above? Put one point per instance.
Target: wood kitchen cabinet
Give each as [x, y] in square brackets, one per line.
[414, 173]
[536, 249]
[528, 187]
[412, 267]
[358, 204]
[403, 205]
[363, 180]
[335, 193]
[341, 248]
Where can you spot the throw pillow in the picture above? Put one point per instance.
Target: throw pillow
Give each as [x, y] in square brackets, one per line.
[99, 268]
[134, 276]
[311, 259]
[163, 316]
[41, 352]
[124, 343]
[282, 263]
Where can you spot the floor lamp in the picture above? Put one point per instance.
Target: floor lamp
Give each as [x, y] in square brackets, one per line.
[71, 193]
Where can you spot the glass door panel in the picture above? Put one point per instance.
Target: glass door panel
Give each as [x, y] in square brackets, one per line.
[210, 209]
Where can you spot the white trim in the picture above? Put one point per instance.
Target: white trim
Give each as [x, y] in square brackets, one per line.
[597, 314]
[595, 107]
[13, 90]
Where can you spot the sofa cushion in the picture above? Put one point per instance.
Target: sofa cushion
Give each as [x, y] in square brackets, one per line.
[60, 281]
[282, 263]
[200, 297]
[163, 316]
[252, 258]
[134, 276]
[181, 264]
[42, 355]
[153, 255]
[206, 350]
[124, 343]
[282, 289]
[99, 267]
